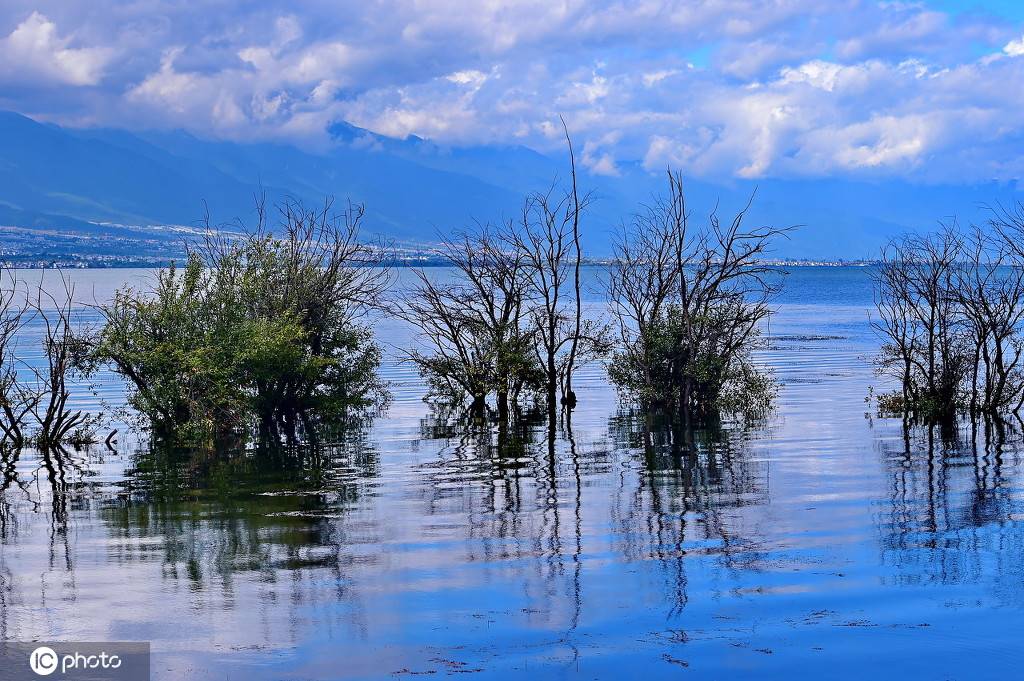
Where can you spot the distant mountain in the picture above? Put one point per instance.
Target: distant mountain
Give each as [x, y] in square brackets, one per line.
[166, 178]
[42, 221]
[53, 177]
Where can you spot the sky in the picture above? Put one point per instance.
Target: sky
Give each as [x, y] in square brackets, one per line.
[927, 91]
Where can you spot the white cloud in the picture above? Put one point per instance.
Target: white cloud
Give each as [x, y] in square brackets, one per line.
[166, 87]
[820, 74]
[586, 92]
[1015, 48]
[470, 77]
[904, 26]
[653, 78]
[753, 59]
[882, 141]
[784, 88]
[597, 158]
[35, 51]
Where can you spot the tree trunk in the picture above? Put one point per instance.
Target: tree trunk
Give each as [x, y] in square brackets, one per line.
[552, 372]
[503, 405]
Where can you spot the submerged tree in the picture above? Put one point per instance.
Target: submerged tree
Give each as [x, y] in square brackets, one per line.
[259, 330]
[920, 317]
[689, 301]
[49, 398]
[990, 290]
[510, 323]
[477, 324]
[951, 313]
[36, 404]
[547, 234]
[16, 402]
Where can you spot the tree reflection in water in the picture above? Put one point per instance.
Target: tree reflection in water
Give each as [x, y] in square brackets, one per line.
[206, 517]
[520, 484]
[45, 482]
[953, 505]
[263, 510]
[679, 503]
[49, 479]
[481, 528]
[524, 487]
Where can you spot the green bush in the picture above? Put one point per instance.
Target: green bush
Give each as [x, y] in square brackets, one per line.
[256, 333]
[668, 367]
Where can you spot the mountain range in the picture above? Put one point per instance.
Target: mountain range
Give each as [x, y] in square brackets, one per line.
[107, 182]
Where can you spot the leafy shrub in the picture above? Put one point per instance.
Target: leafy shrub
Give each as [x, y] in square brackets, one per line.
[255, 332]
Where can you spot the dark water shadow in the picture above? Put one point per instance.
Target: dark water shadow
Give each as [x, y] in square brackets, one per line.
[205, 517]
[264, 509]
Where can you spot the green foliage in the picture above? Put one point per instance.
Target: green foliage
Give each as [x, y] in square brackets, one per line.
[670, 365]
[497, 361]
[890, 404]
[258, 333]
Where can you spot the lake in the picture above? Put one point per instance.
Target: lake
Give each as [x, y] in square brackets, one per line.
[822, 543]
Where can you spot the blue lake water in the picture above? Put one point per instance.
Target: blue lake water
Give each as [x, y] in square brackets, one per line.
[823, 543]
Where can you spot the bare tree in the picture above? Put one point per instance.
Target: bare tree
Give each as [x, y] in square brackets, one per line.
[476, 322]
[991, 292]
[689, 301]
[568, 395]
[62, 348]
[1002, 300]
[512, 319]
[547, 234]
[16, 403]
[922, 318]
[895, 324]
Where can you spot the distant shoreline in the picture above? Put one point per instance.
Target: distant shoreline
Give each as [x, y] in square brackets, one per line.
[111, 263]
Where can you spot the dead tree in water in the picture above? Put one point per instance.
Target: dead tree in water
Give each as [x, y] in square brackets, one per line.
[543, 236]
[895, 324]
[547, 234]
[951, 312]
[991, 294]
[476, 322]
[1007, 307]
[36, 389]
[689, 301]
[16, 402]
[568, 395]
[928, 344]
[511, 322]
[62, 348]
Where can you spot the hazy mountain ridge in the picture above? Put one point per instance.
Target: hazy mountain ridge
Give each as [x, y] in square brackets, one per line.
[53, 177]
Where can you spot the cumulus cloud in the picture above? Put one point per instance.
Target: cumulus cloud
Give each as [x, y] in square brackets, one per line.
[1015, 48]
[34, 52]
[782, 87]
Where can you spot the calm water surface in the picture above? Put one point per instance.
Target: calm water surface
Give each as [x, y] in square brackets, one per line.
[820, 544]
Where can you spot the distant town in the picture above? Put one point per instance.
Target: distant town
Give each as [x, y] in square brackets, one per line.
[122, 246]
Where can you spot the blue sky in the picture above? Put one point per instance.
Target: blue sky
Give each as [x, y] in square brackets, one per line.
[926, 91]
[1009, 9]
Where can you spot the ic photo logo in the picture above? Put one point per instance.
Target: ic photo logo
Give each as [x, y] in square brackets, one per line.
[43, 661]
